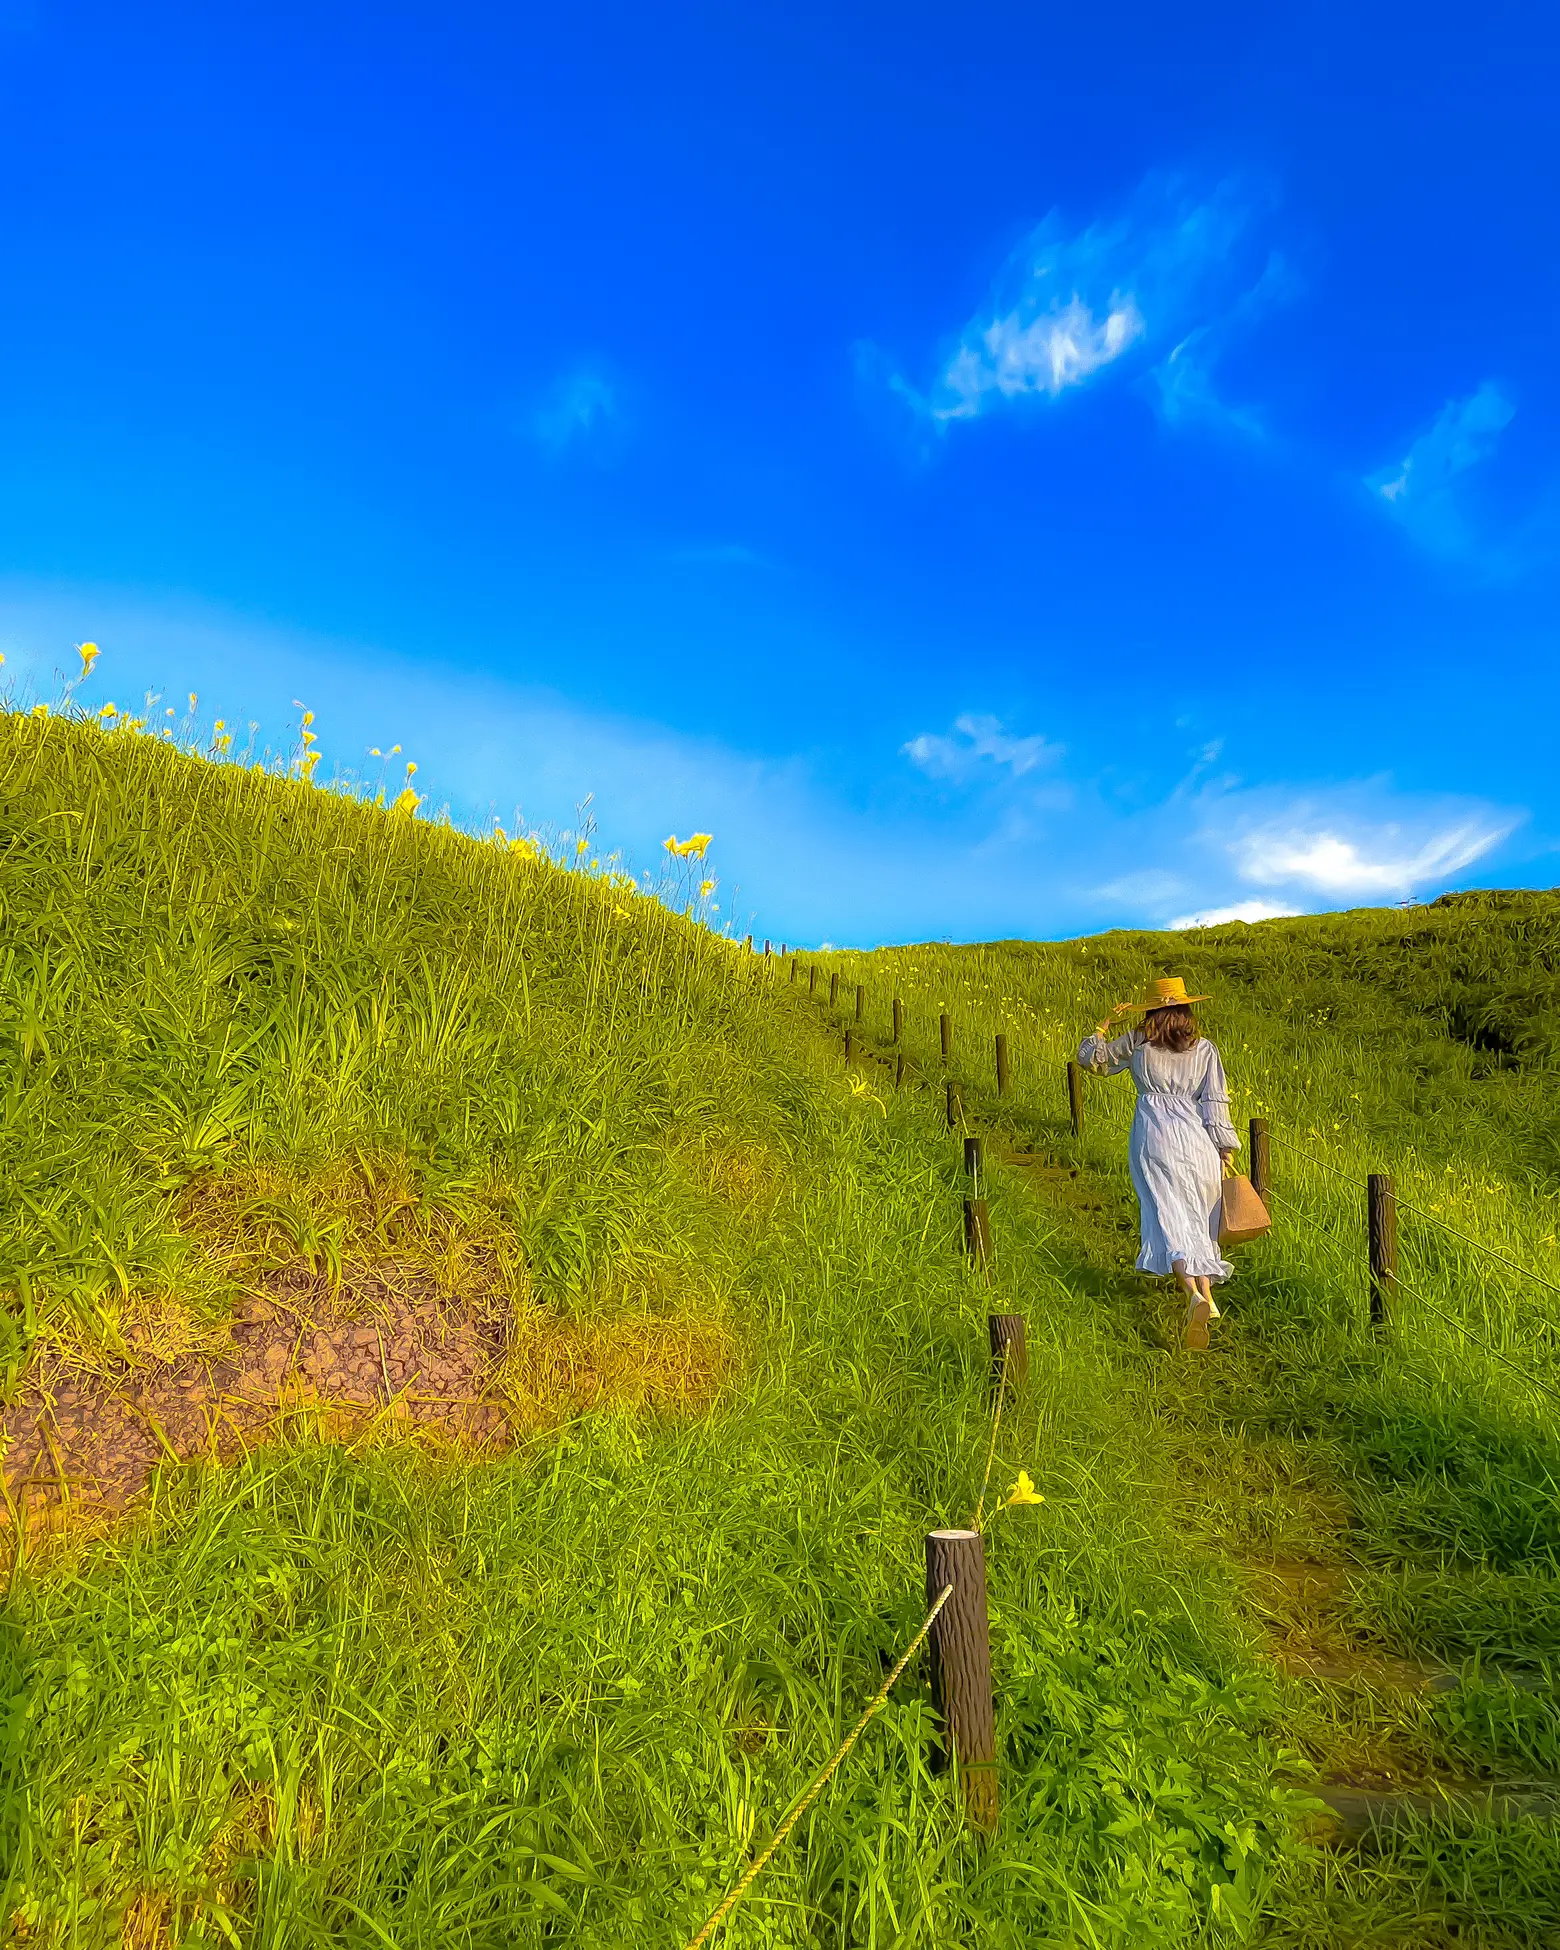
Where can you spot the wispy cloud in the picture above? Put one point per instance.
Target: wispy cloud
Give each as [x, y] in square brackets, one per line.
[978, 741]
[1311, 847]
[1168, 278]
[579, 406]
[1423, 491]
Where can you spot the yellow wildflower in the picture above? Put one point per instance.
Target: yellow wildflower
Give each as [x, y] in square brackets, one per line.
[411, 769]
[375, 752]
[581, 846]
[706, 888]
[1023, 1491]
[89, 656]
[109, 711]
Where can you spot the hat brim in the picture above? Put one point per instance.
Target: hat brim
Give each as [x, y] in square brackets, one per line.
[1175, 1002]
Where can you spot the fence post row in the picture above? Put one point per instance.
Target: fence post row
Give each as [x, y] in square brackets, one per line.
[793, 968]
[1381, 1231]
[861, 1002]
[954, 1106]
[945, 1034]
[1075, 1098]
[834, 988]
[1002, 1066]
[960, 1647]
[812, 979]
[899, 1071]
[899, 1019]
[1261, 1158]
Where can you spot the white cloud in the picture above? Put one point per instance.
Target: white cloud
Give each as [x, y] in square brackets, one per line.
[1422, 491]
[1171, 272]
[977, 739]
[1240, 911]
[1014, 355]
[1386, 859]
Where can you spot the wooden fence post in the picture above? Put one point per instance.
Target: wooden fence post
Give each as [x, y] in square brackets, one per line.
[1381, 1227]
[899, 1019]
[945, 1033]
[954, 1106]
[834, 988]
[1009, 1350]
[960, 1647]
[812, 979]
[977, 1221]
[1261, 1158]
[766, 947]
[1002, 1066]
[899, 1071]
[861, 1002]
[849, 1048]
[793, 968]
[1075, 1098]
[977, 1231]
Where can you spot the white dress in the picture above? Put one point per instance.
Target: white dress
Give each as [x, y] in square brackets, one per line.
[1181, 1124]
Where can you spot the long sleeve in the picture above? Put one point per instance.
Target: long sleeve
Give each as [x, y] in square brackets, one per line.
[1104, 1058]
[1213, 1100]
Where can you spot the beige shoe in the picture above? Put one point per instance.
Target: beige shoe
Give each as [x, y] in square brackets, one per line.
[1198, 1315]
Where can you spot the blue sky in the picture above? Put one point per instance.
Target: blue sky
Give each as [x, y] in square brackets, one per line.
[1001, 473]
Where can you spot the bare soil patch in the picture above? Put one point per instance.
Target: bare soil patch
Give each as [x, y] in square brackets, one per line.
[407, 1351]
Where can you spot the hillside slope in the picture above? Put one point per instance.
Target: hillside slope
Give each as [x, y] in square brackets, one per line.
[327, 1131]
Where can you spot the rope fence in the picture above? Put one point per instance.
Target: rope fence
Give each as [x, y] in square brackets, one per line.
[1382, 1203]
[955, 1627]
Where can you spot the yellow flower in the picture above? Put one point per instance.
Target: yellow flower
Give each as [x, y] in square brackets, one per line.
[192, 700]
[89, 656]
[411, 769]
[1023, 1491]
[581, 846]
[375, 752]
[706, 888]
[691, 848]
[109, 711]
[407, 802]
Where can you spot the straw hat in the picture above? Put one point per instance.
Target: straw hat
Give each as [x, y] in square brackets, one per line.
[1167, 993]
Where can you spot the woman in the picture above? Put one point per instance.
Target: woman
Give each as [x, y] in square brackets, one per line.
[1181, 1138]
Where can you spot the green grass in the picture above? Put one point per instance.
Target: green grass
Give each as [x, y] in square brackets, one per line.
[352, 1693]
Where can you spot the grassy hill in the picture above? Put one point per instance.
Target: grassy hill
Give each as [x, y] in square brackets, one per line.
[547, 1359]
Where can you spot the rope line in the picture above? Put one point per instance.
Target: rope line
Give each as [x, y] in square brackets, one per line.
[1477, 1339]
[820, 1780]
[991, 1449]
[1430, 1219]
[1402, 1286]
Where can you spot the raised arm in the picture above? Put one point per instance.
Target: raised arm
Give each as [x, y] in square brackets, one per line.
[1107, 1058]
[1213, 1100]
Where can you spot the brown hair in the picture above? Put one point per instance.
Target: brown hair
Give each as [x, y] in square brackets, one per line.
[1173, 1027]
